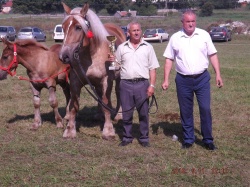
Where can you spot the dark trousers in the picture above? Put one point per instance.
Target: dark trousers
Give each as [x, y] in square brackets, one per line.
[132, 94]
[186, 88]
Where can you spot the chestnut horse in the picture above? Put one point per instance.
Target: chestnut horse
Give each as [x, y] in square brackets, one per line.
[86, 40]
[44, 70]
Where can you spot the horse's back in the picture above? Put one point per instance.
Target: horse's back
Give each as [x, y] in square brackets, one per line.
[115, 30]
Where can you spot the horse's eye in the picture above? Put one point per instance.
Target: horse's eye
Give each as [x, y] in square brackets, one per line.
[5, 57]
[78, 27]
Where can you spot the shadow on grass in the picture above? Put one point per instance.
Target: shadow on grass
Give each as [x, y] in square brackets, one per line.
[172, 126]
[86, 117]
[91, 117]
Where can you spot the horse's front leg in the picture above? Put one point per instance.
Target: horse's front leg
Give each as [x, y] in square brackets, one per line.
[108, 132]
[54, 104]
[73, 107]
[37, 103]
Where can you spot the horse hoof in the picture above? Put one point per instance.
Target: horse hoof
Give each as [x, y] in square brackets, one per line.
[34, 127]
[108, 138]
[69, 135]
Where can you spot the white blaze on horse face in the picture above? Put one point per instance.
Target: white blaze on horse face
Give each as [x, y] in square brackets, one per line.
[70, 23]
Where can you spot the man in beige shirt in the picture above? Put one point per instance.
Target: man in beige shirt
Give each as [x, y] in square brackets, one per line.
[138, 75]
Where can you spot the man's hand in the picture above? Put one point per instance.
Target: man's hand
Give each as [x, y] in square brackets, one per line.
[165, 85]
[150, 91]
[219, 81]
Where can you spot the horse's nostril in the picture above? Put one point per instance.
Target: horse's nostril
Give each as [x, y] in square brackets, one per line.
[65, 59]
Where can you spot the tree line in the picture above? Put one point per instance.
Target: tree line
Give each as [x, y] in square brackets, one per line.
[143, 7]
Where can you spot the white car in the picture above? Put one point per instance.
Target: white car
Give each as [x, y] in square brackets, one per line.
[58, 35]
[157, 34]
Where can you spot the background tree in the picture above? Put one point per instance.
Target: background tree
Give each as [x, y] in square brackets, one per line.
[224, 4]
[145, 7]
[45, 6]
[219, 4]
[98, 5]
[186, 4]
[113, 6]
[207, 9]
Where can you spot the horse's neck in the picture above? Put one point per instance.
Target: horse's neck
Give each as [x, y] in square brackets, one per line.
[99, 52]
[24, 57]
[85, 56]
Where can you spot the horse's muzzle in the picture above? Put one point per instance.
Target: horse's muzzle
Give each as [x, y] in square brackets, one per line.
[65, 59]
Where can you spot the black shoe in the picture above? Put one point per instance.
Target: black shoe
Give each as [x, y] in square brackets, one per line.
[145, 144]
[124, 143]
[210, 146]
[186, 145]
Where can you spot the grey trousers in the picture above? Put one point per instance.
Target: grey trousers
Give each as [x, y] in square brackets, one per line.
[134, 94]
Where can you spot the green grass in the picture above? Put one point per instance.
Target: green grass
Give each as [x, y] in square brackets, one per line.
[44, 158]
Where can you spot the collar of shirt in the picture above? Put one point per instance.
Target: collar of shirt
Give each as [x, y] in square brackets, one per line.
[128, 43]
[183, 34]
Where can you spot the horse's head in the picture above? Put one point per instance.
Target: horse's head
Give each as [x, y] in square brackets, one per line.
[8, 61]
[75, 26]
[82, 28]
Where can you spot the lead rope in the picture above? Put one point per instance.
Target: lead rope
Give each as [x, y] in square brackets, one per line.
[95, 95]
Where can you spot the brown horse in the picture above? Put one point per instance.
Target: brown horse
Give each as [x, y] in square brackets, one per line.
[44, 70]
[85, 32]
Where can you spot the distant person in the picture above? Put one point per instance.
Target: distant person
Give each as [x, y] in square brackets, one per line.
[138, 76]
[191, 48]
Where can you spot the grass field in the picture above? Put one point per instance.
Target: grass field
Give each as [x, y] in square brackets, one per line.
[44, 158]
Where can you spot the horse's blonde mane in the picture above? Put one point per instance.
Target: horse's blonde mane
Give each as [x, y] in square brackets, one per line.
[27, 42]
[96, 25]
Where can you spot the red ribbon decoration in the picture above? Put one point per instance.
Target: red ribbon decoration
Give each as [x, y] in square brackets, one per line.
[90, 34]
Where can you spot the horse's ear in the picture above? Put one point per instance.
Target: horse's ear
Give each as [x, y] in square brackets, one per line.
[66, 8]
[85, 9]
[5, 41]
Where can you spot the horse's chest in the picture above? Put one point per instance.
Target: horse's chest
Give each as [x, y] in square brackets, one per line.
[96, 71]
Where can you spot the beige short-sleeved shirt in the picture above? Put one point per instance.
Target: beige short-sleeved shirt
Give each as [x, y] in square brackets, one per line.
[190, 52]
[136, 63]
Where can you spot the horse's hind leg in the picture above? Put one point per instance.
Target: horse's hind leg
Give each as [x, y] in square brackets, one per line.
[37, 103]
[66, 90]
[54, 104]
[118, 103]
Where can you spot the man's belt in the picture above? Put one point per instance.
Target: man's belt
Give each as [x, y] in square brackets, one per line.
[135, 80]
[193, 76]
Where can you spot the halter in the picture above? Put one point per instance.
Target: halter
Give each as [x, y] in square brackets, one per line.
[89, 33]
[13, 62]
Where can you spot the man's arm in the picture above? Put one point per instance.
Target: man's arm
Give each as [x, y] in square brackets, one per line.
[152, 77]
[216, 65]
[167, 70]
